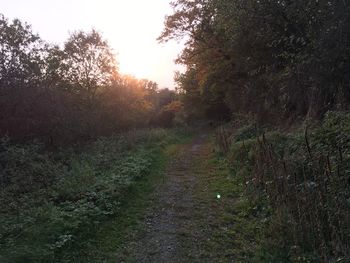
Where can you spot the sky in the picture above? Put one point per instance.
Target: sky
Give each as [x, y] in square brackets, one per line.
[130, 27]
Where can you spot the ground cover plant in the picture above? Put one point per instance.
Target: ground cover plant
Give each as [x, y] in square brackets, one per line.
[51, 201]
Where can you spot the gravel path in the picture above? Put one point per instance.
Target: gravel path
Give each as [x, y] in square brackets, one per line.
[168, 234]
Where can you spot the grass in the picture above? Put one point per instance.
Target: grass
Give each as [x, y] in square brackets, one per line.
[232, 224]
[70, 197]
[228, 226]
[108, 240]
[296, 189]
[245, 218]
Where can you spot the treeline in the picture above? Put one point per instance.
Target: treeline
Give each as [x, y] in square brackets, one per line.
[72, 93]
[277, 60]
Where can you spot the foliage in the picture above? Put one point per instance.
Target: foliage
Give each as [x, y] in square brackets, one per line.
[275, 59]
[71, 94]
[89, 62]
[50, 202]
[303, 179]
[167, 113]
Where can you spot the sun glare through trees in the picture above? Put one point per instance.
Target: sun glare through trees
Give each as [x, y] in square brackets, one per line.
[175, 131]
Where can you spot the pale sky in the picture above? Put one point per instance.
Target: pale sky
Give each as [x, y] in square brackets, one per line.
[130, 26]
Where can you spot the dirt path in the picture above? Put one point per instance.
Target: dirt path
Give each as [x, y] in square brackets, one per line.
[160, 241]
[179, 227]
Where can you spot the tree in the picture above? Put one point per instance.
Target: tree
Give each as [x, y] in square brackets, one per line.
[22, 70]
[22, 54]
[89, 64]
[275, 59]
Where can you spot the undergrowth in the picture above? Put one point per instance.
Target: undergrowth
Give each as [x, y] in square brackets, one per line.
[296, 185]
[52, 204]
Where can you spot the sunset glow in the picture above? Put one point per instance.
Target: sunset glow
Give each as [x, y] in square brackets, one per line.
[131, 28]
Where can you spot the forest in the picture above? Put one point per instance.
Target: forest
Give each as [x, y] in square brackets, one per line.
[99, 166]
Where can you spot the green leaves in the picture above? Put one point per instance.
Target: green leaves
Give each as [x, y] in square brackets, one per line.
[76, 192]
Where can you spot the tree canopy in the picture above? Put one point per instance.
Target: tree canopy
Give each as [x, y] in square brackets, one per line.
[274, 59]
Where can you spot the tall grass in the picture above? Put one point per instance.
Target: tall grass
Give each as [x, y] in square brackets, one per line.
[303, 179]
